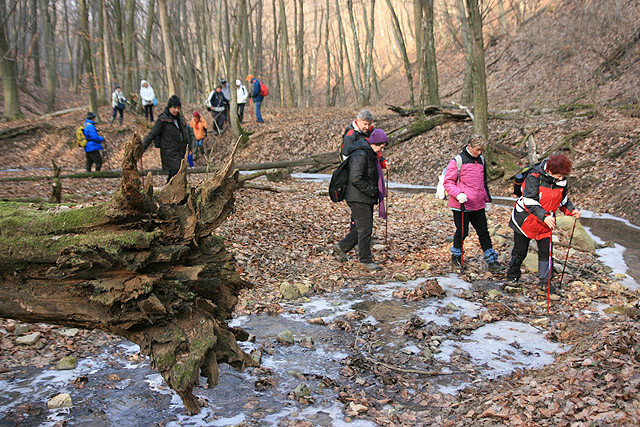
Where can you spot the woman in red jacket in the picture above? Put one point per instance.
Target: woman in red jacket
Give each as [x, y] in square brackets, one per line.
[543, 192]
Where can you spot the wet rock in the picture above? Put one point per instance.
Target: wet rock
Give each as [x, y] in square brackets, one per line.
[494, 293]
[289, 291]
[307, 342]
[29, 339]
[620, 275]
[317, 321]
[543, 321]
[303, 288]
[256, 356]
[425, 266]
[302, 390]
[68, 332]
[498, 240]
[399, 277]
[581, 240]
[62, 400]
[357, 408]
[451, 306]
[531, 262]
[4, 331]
[606, 269]
[379, 247]
[294, 373]
[67, 363]
[427, 353]
[512, 289]
[286, 337]
[22, 329]
[321, 418]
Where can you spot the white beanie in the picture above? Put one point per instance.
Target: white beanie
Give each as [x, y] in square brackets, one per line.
[238, 82]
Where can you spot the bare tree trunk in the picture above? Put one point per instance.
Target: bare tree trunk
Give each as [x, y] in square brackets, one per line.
[329, 101]
[107, 53]
[168, 49]
[299, 47]
[480, 126]
[467, 85]
[357, 75]
[397, 32]
[418, 23]
[129, 37]
[102, 65]
[50, 50]
[284, 52]
[276, 60]
[258, 39]
[502, 19]
[241, 6]
[344, 54]
[86, 54]
[147, 39]
[119, 58]
[36, 46]
[430, 90]
[8, 71]
[368, 65]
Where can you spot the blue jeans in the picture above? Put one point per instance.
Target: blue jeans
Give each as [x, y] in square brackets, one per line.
[258, 115]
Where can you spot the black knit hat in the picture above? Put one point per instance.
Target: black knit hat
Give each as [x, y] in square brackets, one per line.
[174, 101]
[90, 115]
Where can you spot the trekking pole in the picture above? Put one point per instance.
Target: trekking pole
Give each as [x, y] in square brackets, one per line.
[386, 220]
[570, 240]
[462, 237]
[550, 268]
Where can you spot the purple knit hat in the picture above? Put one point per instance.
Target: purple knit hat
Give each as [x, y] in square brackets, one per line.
[378, 137]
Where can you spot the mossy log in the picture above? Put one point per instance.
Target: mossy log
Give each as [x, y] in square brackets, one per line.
[144, 267]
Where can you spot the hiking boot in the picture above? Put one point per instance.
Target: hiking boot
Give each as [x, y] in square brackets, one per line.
[494, 267]
[340, 253]
[371, 266]
[553, 289]
[456, 260]
[111, 122]
[513, 280]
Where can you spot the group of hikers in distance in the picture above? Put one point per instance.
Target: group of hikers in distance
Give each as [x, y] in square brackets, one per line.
[542, 192]
[171, 133]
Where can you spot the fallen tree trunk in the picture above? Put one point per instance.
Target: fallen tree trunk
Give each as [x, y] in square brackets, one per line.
[144, 267]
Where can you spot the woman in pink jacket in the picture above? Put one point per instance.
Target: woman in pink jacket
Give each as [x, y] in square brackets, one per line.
[466, 183]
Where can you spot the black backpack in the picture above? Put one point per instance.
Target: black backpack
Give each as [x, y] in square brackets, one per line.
[339, 181]
[520, 177]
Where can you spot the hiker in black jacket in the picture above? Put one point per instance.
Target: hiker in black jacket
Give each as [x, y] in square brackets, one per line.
[365, 189]
[172, 135]
[358, 131]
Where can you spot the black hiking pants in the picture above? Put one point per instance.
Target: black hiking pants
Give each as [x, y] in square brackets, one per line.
[519, 253]
[362, 215]
[91, 158]
[479, 221]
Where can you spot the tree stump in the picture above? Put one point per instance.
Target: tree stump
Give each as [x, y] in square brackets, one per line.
[144, 267]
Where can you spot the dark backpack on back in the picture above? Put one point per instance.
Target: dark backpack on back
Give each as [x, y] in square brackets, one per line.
[520, 177]
[339, 182]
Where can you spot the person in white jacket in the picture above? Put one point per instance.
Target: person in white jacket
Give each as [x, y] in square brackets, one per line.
[117, 103]
[147, 99]
[243, 95]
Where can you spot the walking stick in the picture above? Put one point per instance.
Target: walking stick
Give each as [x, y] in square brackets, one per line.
[386, 220]
[462, 237]
[550, 268]
[570, 240]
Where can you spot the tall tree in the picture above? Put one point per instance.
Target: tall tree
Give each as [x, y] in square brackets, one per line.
[329, 100]
[259, 65]
[50, 50]
[284, 54]
[397, 32]
[480, 109]
[86, 55]
[299, 49]
[429, 77]
[147, 38]
[172, 80]
[467, 84]
[129, 38]
[36, 44]
[357, 75]
[8, 70]
[369, 72]
[235, 53]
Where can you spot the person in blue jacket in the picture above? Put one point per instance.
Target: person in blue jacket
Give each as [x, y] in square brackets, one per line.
[255, 94]
[94, 143]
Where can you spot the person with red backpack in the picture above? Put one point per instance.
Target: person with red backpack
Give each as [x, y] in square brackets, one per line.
[258, 92]
[544, 191]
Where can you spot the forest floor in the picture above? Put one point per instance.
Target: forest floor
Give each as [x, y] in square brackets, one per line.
[287, 236]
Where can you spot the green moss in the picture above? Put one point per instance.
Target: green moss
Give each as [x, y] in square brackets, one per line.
[165, 362]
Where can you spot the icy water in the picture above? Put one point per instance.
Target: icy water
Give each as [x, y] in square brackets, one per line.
[120, 387]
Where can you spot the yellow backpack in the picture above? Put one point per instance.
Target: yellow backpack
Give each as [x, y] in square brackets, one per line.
[81, 140]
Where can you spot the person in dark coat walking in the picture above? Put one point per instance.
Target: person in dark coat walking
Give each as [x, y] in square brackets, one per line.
[533, 216]
[360, 128]
[172, 135]
[219, 105]
[94, 143]
[365, 189]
